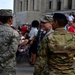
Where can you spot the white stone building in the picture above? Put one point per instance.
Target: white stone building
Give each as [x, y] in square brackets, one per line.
[25, 11]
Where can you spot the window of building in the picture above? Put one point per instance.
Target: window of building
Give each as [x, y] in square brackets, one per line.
[50, 3]
[20, 5]
[15, 5]
[27, 5]
[59, 5]
[69, 4]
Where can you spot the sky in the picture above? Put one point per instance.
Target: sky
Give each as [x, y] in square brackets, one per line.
[6, 4]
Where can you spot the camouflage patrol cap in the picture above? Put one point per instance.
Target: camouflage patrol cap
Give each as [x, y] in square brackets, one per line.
[48, 18]
[5, 12]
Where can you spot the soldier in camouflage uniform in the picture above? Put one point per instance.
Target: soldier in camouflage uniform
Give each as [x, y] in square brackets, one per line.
[41, 65]
[58, 49]
[0, 21]
[8, 45]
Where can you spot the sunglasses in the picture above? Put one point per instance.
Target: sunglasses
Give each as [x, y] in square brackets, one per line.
[44, 22]
[73, 22]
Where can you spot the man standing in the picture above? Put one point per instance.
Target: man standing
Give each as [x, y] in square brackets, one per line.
[41, 64]
[8, 45]
[59, 50]
[46, 24]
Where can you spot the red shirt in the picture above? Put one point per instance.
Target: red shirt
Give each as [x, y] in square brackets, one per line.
[24, 29]
[72, 29]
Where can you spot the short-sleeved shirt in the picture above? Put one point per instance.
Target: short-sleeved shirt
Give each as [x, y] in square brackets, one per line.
[33, 33]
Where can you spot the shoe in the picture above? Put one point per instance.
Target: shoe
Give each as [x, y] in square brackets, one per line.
[32, 64]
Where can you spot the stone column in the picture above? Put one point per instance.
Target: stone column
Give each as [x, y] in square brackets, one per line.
[29, 5]
[54, 5]
[35, 4]
[65, 5]
[44, 5]
[19, 5]
[40, 5]
[23, 5]
[73, 4]
[18, 2]
[62, 4]
[16, 5]
[32, 5]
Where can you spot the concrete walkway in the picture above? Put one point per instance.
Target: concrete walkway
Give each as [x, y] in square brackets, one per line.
[24, 69]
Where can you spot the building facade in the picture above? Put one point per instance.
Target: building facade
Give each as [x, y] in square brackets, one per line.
[28, 10]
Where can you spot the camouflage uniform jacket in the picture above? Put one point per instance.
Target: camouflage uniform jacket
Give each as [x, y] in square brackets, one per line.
[41, 63]
[8, 47]
[58, 50]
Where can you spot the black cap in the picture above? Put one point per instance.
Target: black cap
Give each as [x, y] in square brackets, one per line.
[60, 16]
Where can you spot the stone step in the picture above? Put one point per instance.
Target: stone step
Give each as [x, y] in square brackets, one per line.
[23, 73]
[24, 70]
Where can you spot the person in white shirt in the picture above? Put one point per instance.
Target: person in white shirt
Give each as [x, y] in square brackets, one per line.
[33, 32]
[70, 18]
[33, 44]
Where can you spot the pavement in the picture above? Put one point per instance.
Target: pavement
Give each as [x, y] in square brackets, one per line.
[24, 68]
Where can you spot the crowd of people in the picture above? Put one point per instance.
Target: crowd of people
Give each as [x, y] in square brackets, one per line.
[49, 44]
